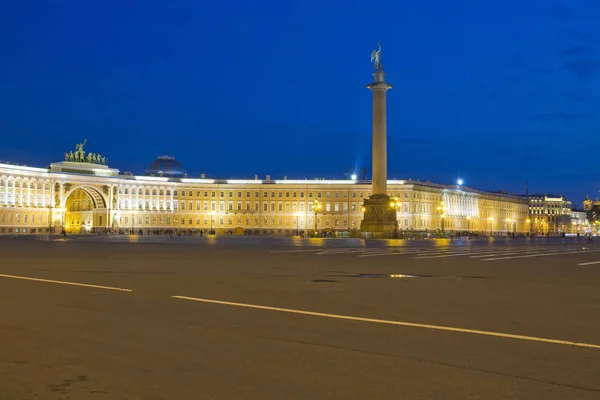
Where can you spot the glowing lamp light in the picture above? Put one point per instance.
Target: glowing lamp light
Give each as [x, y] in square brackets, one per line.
[353, 177]
[459, 182]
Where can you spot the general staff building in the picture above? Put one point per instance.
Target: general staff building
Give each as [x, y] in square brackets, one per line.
[82, 194]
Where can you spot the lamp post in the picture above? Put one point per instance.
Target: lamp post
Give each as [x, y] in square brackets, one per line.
[528, 222]
[318, 206]
[491, 219]
[507, 222]
[297, 215]
[395, 205]
[469, 225]
[441, 209]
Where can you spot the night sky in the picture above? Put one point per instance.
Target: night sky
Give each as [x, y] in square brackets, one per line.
[498, 93]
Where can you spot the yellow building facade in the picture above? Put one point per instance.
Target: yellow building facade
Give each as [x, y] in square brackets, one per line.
[80, 197]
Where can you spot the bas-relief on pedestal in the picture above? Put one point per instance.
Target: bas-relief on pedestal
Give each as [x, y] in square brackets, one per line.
[379, 216]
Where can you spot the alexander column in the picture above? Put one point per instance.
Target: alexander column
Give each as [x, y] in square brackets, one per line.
[379, 215]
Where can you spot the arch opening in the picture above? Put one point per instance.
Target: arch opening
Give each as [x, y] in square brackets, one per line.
[84, 210]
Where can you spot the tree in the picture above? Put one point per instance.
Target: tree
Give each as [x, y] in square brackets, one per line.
[593, 215]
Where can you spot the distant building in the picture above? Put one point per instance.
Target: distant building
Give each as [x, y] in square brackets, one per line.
[587, 203]
[83, 194]
[549, 214]
[579, 222]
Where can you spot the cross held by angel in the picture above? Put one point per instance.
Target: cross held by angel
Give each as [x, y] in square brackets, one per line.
[376, 57]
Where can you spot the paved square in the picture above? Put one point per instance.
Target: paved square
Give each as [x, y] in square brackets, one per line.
[148, 317]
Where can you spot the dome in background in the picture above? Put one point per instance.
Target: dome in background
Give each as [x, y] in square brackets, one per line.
[165, 166]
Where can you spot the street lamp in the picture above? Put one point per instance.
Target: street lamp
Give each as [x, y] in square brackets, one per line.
[441, 209]
[469, 224]
[297, 215]
[318, 206]
[395, 205]
[211, 223]
[507, 222]
[528, 222]
[491, 219]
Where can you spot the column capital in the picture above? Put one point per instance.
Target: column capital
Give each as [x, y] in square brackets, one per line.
[379, 86]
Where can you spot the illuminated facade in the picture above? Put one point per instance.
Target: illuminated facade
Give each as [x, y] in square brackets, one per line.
[91, 197]
[549, 214]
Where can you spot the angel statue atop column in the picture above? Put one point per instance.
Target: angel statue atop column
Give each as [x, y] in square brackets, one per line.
[376, 58]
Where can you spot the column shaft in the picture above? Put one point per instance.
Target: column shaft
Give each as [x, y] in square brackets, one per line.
[379, 142]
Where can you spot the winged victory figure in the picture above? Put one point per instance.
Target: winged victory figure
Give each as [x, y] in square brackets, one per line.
[376, 58]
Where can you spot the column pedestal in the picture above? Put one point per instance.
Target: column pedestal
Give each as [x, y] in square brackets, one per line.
[379, 218]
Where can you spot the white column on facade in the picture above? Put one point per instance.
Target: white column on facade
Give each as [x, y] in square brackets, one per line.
[164, 198]
[61, 194]
[35, 193]
[28, 202]
[154, 197]
[146, 198]
[6, 190]
[172, 193]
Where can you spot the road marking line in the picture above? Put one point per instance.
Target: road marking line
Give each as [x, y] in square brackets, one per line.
[589, 263]
[335, 252]
[398, 323]
[385, 253]
[296, 251]
[508, 253]
[465, 253]
[26, 278]
[540, 255]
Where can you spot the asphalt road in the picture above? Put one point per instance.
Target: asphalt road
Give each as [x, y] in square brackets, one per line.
[334, 324]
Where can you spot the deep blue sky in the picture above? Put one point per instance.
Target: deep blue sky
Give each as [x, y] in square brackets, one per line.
[496, 92]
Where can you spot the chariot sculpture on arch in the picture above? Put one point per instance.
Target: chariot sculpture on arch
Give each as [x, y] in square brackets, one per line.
[79, 155]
